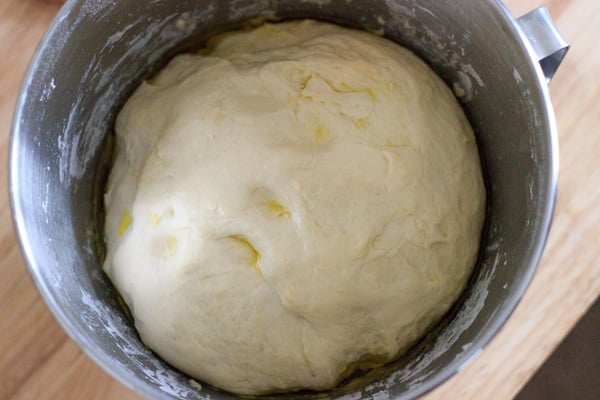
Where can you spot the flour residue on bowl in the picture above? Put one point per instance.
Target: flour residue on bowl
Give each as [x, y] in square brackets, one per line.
[447, 49]
[87, 124]
[119, 332]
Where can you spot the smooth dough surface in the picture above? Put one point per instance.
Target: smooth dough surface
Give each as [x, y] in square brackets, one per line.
[293, 202]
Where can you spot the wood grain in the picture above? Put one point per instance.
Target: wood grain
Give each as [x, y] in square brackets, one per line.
[38, 360]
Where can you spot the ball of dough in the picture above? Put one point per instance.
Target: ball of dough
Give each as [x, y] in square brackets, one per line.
[292, 203]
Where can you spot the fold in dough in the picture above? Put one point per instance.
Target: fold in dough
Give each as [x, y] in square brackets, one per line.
[293, 202]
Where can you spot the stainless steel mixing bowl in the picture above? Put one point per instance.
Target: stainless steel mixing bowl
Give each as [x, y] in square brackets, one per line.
[97, 52]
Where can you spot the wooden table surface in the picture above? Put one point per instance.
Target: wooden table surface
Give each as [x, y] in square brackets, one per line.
[39, 361]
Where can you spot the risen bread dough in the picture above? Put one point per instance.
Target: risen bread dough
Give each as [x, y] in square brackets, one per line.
[296, 201]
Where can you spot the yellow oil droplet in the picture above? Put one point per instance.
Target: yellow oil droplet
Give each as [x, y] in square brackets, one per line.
[320, 132]
[278, 209]
[346, 88]
[306, 361]
[124, 224]
[361, 123]
[154, 219]
[171, 244]
[304, 81]
[435, 278]
[371, 93]
[379, 31]
[254, 254]
[149, 85]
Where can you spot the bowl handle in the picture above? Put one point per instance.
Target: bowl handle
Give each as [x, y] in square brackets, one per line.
[548, 44]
